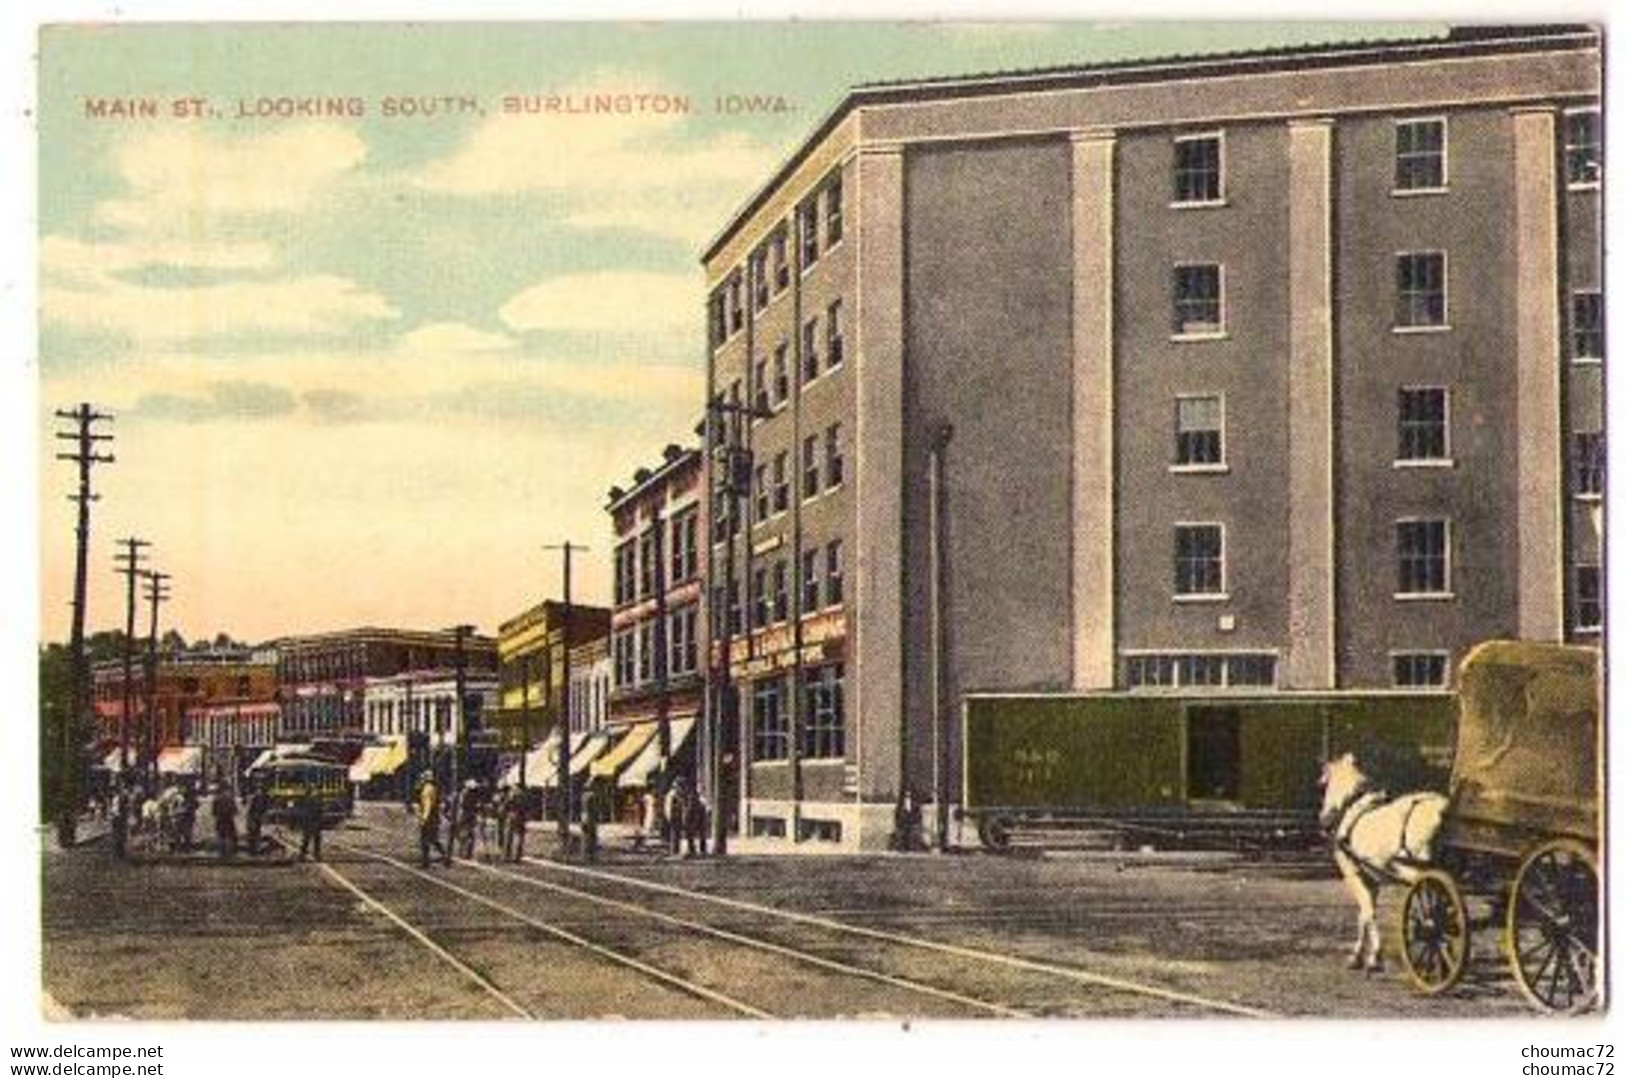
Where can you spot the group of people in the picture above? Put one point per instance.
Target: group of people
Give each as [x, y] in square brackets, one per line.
[471, 816]
[679, 823]
[166, 818]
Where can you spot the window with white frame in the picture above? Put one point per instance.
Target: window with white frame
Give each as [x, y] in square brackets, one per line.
[808, 218]
[1419, 155]
[761, 610]
[1174, 670]
[809, 350]
[835, 343]
[834, 461]
[823, 731]
[1423, 551]
[1586, 326]
[759, 373]
[1198, 299]
[1199, 169]
[736, 304]
[648, 546]
[770, 723]
[779, 248]
[646, 651]
[809, 580]
[758, 279]
[1198, 559]
[1589, 455]
[1582, 147]
[781, 591]
[1199, 430]
[684, 647]
[685, 550]
[1424, 424]
[762, 496]
[781, 482]
[626, 560]
[781, 373]
[1588, 599]
[1420, 290]
[625, 655]
[1421, 669]
[834, 219]
[834, 586]
[809, 466]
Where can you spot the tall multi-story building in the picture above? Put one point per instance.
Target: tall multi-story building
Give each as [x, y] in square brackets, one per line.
[1276, 371]
[531, 650]
[657, 629]
[323, 677]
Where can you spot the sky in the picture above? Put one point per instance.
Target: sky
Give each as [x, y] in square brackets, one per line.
[365, 367]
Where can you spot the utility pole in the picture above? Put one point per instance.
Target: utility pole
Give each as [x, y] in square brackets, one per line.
[128, 564]
[84, 437]
[662, 657]
[724, 422]
[460, 742]
[562, 708]
[939, 637]
[524, 718]
[157, 592]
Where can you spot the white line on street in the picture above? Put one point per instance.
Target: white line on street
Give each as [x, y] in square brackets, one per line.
[1099, 980]
[474, 975]
[570, 937]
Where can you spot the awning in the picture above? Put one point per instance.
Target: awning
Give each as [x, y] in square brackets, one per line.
[624, 751]
[637, 774]
[181, 760]
[376, 761]
[540, 764]
[582, 755]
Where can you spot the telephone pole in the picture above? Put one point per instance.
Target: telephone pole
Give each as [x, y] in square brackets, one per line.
[459, 744]
[128, 564]
[562, 708]
[85, 438]
[157, 592]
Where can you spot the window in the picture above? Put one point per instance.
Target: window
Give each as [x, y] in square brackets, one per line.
[719, 610]
[781, 591]
[760, 610]
[834, 463]
[1420, 290]
[1199, 431]
[835, 343]
[1589, 478]
[736, 305]
[1198, 300]
[1198, 170]
[1419, 155]
[781, 261]
[781, 373]
[685, 645]
[758, 278]
[1424, 557]
[781, 482]
[1424, 424]
[1198, 559]
[1582, 147]
[834, 593]
[809, 580]
[685, 553]
[736, 609]
[721, 521]
[1585, 326]
[762, 402]
[823, 731]
[809, 466]
[809, 351]
[625, 660]
[646, 651]
[647, 557]
[718, 320]
[771, 725]
[808, 218]
[625, 573]
[1210, 669]
[1587, 597]
[1421, 669]
[833, 223]
[761, 492]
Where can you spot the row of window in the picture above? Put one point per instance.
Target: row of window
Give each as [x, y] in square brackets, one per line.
[772, 386]
[637, 561]
[1199, 669]
[823, 715]
[634, 652]
[1421, 158]
[1422, 435]
[1421, 301]
[822, 581]
[820, 226]
[823, 468]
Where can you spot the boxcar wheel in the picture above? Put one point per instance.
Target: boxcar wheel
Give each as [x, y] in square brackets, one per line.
[994, 831]
[1437, 936]
[1551, 927]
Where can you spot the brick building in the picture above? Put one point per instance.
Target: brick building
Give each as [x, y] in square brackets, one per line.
[1276, 371]
[531, 648]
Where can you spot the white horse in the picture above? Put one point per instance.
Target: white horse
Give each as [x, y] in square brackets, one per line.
[1375, 839]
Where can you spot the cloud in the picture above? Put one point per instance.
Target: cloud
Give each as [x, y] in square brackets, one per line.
[616, 303]
[454, 337]
[174, 177]
[645, 171]
[219, 400]
[70, 261]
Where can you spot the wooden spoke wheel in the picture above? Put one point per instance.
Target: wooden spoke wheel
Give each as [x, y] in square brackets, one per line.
[994, 831]
[1436, 933]
[1551, 927]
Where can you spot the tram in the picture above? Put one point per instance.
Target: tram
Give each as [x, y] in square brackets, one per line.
[290, 780]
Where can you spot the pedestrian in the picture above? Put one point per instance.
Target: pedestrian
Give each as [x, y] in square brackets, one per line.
[428, 813]
[224, 810]
[499, 814]
[258, 803]
[120, 825]
[907, 822]
[308, 813]
[649, 820]
[514, 847]
[188, 817]
[674, 817]
[468, 819]
[589, 823]
[694, 821]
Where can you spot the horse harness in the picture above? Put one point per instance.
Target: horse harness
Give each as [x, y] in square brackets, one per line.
[1362, 801]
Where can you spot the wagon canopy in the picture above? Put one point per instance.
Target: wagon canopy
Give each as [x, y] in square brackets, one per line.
[1527, 744]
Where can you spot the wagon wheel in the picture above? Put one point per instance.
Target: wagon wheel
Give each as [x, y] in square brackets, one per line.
[1437, 934]
[1551, 928]
[994, 831]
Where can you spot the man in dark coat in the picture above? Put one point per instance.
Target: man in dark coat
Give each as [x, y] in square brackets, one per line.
[258, 802]
[224, 810]
[308, 814]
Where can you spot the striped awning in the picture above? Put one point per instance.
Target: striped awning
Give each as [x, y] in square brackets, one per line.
[624, 751]
[637, 774]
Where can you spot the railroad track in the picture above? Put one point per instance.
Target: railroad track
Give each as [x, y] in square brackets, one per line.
[755, 949]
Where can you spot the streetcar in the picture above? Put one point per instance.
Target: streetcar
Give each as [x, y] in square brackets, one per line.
[290, 780]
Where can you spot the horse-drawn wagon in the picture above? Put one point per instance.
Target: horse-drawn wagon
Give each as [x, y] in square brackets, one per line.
[1518, 845]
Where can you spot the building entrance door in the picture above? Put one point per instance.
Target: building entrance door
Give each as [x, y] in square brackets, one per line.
[1212, 754]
